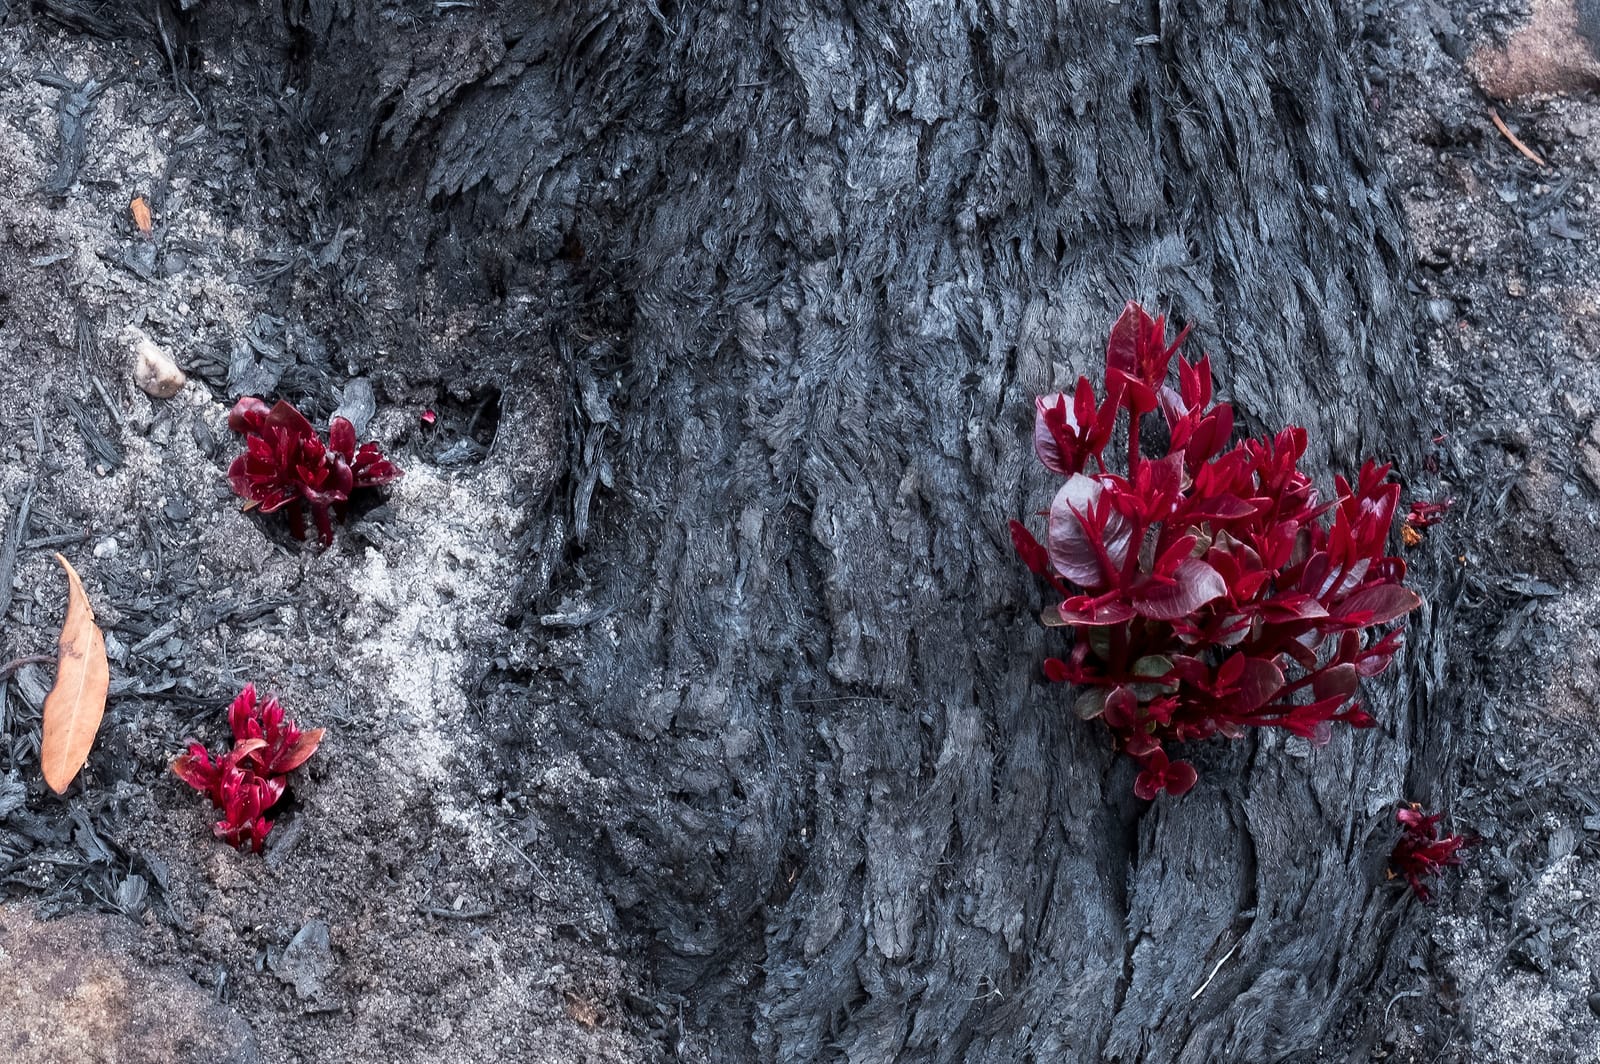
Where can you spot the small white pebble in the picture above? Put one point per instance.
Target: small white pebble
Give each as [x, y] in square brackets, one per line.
[153, 369]
[106, 548]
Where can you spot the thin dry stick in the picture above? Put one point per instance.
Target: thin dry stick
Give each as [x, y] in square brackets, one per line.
[1215, 970]
[1527, 152]
[32, 659]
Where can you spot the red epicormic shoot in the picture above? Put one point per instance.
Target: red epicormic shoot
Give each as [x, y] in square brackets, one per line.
[1208, 588]
[287, 465]
[1420, 517]
[1422, 852]
[250, 778]
[1422, 514]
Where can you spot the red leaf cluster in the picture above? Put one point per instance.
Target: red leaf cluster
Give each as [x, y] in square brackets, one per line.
[286, 464]
[1208, 589]
[1422, 516]
[1422, 852]
[249, 779]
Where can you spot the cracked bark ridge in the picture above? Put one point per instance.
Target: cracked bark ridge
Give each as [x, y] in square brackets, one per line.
[847, 245]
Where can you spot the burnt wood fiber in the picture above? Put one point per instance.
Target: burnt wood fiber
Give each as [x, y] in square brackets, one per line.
[813, 261]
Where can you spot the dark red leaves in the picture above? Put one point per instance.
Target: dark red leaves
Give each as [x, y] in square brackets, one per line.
[286, 464]
[1088, 542]
[1377, 605]
[1065, 435]
[1137, 356]
[1422, 852]
[1258, 600]
[1035, 557]
[1159, 775]
[1169, 598]
[283, 747]
[250, 778]
[1421, 516]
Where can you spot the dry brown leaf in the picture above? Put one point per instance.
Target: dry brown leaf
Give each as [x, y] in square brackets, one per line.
[141, 214]
[76, 703]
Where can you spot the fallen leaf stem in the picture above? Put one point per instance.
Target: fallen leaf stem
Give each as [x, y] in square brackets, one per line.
[1505, 131]
[31, 659]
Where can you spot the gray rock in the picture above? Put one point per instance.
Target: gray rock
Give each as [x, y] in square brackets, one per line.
[307, 961]
[357, 405]
[71, 992]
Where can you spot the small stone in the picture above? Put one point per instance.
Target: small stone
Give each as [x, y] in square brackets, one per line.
[1553, 52]
[307, 961]
[1576, 407]
[1594, 1003]
[153, 369]
[1515, 288]
[106, 548]
[73, 990]
[1589, 460]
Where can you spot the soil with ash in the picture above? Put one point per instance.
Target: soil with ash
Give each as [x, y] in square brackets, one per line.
[1504, 966]
[407, 906]
[412, 904]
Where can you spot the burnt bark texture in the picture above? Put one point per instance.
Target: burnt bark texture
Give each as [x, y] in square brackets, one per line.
[800, 267]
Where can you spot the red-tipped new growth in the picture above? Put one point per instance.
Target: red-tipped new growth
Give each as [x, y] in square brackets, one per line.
[1421, 516]
[250, 778]
[1422, 852]
[287, 465]
[283, 746]
[1208, 589]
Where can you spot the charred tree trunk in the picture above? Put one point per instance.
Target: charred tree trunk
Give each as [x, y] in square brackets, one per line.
[800, 267]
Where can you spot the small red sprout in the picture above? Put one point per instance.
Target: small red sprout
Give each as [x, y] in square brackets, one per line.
[287, 465]
[1422, 852]
[250, 778]
[1159, 775]
[1421, 516]
[1208, 588]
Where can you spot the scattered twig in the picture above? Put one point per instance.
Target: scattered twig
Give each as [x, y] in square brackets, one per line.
[454, 914]
[1396, 998]
[520, 852]
[16, 530]
[63, 540]
[105, 398]
[172, 61]
[1215, 970]
[32, 659]
[1527, 152]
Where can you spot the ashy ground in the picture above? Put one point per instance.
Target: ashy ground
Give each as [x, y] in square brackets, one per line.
[1505, 966]
[405, 908]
